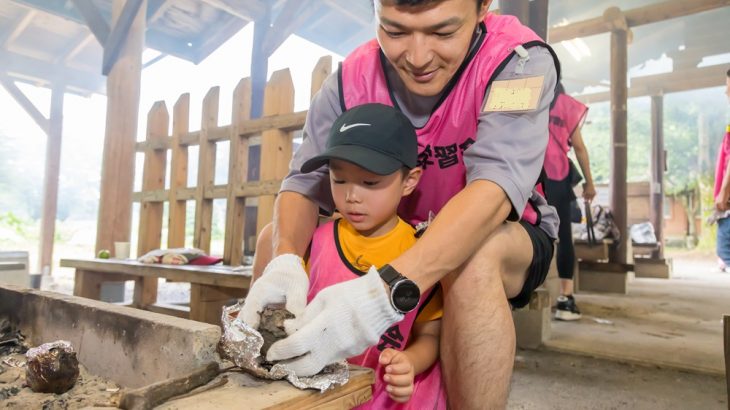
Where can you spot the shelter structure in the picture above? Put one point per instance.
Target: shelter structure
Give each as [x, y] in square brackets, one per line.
[95, 46]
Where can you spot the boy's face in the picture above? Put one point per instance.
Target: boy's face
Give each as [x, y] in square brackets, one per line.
[369, 201]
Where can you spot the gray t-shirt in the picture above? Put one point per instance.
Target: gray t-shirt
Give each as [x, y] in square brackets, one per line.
[509, 148]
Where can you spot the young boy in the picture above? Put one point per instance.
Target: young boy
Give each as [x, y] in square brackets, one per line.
[372, 153]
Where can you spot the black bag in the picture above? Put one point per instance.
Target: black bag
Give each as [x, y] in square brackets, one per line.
[576, 215]
[574, 175]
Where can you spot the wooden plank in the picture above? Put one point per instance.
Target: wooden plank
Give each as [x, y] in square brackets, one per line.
[94, 19]
[321, 71]
[276, 145]
[635, 17]
[206, 275]
[237, 175]
[178, 173]
[151, 213]
[359, 381]
[170, 310]
[293, 14]
[19, 28]
[115, 41]
[206, 172]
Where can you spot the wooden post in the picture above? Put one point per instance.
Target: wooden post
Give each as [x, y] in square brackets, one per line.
[237, 175]
[122, 110]
[206, 172]
[276, 145]
[657, 171]
[54, 132]
[151, 213]
[619, 98]
[517, 8]
[539, 18]
[178, 173]
[321, 71]
[259, 62]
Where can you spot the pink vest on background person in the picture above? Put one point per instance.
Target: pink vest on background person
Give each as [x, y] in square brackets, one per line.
[452, 127]
[723, 154]
[326, 268]
[566, 115]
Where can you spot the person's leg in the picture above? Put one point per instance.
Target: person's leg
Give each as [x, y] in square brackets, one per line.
[560, 195]
[478, 336]
[723, 240]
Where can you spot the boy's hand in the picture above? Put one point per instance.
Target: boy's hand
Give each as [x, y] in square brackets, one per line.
[399, 374]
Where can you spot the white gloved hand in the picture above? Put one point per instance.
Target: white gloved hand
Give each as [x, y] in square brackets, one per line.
[342, 321]
[284, 280]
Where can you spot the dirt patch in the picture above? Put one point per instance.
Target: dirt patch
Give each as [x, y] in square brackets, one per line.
[89, 390]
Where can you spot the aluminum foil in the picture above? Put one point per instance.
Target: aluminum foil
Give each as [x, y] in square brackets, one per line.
[242, 345]
[46, 347]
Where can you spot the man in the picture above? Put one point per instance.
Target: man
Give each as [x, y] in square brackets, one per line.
[722, 191]
[478, 89]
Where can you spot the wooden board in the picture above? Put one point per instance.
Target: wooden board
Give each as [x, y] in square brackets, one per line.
[251, 393]
[207, 275]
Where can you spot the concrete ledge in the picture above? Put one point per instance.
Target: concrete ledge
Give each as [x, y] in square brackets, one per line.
[602, 277]
[532, 323]
[653, 268]
[129, 346]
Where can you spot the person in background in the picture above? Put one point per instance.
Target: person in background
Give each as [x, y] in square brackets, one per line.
[566, 118]
[477, 86]
[722, 191]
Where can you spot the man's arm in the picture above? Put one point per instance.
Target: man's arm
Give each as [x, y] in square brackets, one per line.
[721, 202]
[581, 154]
[502, 167]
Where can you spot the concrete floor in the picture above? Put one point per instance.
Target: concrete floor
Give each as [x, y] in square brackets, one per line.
[675, 323]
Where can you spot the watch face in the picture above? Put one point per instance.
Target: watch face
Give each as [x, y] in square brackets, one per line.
[406, 295]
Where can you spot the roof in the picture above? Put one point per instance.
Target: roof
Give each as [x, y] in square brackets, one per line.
[42, 41]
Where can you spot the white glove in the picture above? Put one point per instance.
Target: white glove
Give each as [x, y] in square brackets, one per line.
[284, 280]
[342, 321]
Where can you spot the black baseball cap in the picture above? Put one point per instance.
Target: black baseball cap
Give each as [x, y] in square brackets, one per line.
[376, 137]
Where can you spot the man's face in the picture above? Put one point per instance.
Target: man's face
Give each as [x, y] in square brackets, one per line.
[727, 88]
[427, 44]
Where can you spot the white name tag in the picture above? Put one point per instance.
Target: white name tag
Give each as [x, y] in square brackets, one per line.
[522, 94]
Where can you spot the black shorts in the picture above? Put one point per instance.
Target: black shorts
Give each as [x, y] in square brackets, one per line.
[542, 254]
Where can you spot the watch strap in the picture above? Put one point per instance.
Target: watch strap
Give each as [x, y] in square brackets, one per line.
[390, 275]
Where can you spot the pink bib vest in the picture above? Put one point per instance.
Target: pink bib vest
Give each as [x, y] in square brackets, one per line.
[452, 126]
[327, 268]
[565, 116]
[723, 154]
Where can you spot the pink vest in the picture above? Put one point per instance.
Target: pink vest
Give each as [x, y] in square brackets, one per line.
[566, 115]
[452, 127]
[327, 268]
[723, 154]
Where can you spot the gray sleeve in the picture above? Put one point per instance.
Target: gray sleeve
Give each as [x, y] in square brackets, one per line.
[510, 146]
[323, 111]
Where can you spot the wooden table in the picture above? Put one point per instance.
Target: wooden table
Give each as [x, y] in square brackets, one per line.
[210, 286]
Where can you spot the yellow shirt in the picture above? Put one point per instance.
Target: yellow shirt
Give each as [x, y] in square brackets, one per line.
[361, 252]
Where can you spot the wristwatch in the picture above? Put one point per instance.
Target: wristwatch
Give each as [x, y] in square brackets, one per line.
[404, 293]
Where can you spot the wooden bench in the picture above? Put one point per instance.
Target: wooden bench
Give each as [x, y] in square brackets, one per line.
[594, 253]
[211, 287]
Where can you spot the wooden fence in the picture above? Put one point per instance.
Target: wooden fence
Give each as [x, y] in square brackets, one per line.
[275, 129]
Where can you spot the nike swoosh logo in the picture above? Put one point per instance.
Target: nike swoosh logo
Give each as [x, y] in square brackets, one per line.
[346, 127]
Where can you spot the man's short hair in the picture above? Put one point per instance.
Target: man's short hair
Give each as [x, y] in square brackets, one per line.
[422, 2]
[728, 72]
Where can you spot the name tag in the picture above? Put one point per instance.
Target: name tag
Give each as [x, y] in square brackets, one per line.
[522, 94]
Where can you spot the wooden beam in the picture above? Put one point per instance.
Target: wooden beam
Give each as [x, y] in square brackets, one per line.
[259, 63]
[539, 17]
[32, 70]
[619, 132]
[25, 103]
[119, 34]
[76, 45]
[19, 27]
[251, 11]
[50, 181]
[122, 111]
[635, 17]
[157, 9]
[656, 197]
[517, 8]
[678, 81]
[96, 22]
[293, 14]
